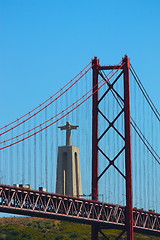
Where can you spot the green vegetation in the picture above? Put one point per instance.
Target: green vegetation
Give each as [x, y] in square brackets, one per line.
[24, 228]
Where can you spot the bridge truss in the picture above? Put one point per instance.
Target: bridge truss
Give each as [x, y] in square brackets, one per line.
[48, 205]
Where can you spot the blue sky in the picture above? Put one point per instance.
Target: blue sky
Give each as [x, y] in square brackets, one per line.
[45, 43]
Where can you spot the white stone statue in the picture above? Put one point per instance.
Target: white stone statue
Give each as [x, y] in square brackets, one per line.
[68, 127]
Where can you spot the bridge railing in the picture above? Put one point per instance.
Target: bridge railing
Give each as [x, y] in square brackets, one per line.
[49, 205]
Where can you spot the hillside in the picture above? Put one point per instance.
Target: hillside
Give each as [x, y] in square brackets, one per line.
[17, 228]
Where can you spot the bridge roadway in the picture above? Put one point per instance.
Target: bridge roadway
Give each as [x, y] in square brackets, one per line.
[49, 205]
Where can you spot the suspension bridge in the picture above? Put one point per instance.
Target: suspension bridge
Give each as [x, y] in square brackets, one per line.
[118, 136]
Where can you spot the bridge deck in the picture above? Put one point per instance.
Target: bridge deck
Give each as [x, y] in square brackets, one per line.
[49, 205]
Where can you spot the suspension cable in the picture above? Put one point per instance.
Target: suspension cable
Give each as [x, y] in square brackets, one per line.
[67, 108]
[145, 141]
[151, 104]
[55, 99]
[137, 130]
[47, 98]
[40, 125]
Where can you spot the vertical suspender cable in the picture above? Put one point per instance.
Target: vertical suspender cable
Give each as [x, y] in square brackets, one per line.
[56, 133]
[41, 176]
[144, 159]
[115, 179]
[140, 157]
[118, 163]
[148, 162]
[35, 156]
[23, 157]
[29, 155]
[77, 117]
[52, 159]
[148, 158]
[17, 159]
[4, 165]
[11, 163]
[136, 157]
[86, 163]
[152, 190]
[46, 151]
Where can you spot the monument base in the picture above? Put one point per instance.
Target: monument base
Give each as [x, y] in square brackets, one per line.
[68, 180]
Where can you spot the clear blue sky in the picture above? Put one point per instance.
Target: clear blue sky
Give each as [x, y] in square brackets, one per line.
[45, 43]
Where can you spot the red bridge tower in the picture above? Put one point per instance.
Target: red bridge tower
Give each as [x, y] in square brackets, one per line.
[125, 70]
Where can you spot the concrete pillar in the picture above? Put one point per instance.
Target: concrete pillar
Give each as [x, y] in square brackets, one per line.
[68, 180]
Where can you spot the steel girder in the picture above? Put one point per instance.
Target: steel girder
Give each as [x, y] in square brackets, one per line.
[49, 205]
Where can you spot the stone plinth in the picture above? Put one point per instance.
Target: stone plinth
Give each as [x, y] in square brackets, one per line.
[68, 180]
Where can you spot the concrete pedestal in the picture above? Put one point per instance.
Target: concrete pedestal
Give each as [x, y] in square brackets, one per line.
[68, 180]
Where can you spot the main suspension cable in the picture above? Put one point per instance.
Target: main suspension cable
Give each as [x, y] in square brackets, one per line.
[17, 120]
[152, 106]
[65, 110]
[137, 130]
[40, 125]
[55, 99]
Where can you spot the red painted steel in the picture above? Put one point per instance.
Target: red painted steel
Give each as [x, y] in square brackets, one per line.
[55, 206]
[128, 150]
[99, 215]
[125, 65]
[95, 64]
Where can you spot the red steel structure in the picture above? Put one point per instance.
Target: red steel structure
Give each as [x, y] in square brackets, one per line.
[36, 203]
[100, 215]
[97, 71]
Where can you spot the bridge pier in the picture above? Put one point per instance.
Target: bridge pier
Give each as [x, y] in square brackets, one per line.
[94, 232]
